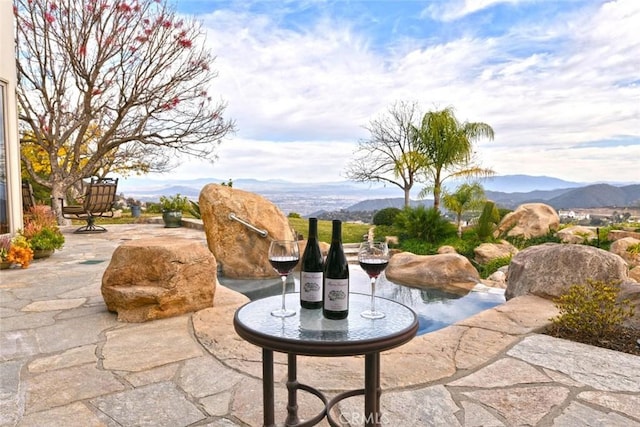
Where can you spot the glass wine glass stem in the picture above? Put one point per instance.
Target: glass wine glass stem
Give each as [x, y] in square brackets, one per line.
[373, 292]
[284, 287]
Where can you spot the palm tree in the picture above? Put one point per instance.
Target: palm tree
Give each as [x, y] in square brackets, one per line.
[466, 197]
[447, 146]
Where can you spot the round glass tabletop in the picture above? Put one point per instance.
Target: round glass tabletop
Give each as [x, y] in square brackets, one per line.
[308, 332]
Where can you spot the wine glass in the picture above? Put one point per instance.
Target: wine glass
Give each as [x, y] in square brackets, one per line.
[283, 256]
[373, 258]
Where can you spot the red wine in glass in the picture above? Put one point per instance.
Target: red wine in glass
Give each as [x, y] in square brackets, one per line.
[283, 264]
[373, 258]
[283, 257]
[373, 266]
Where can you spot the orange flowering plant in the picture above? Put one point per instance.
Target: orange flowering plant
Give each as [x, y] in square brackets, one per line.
[18, 251]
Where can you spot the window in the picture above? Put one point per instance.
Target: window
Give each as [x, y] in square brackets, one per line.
[4, 211]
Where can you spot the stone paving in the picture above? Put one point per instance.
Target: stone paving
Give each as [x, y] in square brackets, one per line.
[66, 361]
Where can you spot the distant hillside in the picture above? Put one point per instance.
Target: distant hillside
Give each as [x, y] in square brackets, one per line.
[591, 196]
[377, 204]
[318, 198]
[597, 195]
[513, 200]
[521, 183]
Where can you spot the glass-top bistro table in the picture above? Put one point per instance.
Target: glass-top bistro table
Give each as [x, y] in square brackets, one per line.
[308, 333]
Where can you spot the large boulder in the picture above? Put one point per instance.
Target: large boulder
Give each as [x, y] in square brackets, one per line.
[486, 252]
[159, 277]
[621, 247]
[449, 272]
[621, 234]
[529, 220]
[631, 291]
[549, 270]
[241, 252]
[576, 234]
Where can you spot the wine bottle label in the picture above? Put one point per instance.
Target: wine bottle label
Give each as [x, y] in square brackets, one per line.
[336, 294]
[311, 286]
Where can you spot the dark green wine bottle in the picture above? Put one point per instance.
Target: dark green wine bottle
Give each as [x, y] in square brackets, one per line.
[311, 270]
[335, 296]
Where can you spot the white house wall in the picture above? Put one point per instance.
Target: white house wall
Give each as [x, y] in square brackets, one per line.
[12, 145]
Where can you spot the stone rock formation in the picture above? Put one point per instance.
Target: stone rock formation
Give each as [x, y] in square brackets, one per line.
[529, 220]
[241, 252]
[634, 274]
[497, 279]
[549, 270]
[620, 234]
[620, 247]
[159, 277]
[490, 251]
[450, 272]
[576, 234]
[631, 291]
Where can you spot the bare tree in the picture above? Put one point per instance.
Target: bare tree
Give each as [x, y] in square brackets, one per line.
[390, 154]
[109, 86]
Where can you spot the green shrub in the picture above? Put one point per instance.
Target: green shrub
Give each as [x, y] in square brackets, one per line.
[634, 249]
[520, 242]
[381, 231]
[492, 266]
[175, 203]
[423, 224]
[488, 221]
[385, 216]
[154, 208]
[47, 239]
[418, 247]
[591, 310]
[464, 246]
[294, 215]
[194, 209]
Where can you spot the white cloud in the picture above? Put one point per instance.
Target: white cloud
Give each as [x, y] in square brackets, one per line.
[302, 95]
[456, 9]
[319, 161]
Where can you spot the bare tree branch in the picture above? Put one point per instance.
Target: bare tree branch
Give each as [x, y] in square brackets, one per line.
[109, 85]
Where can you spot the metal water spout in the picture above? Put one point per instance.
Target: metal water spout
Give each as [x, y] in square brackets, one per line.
[261, 232]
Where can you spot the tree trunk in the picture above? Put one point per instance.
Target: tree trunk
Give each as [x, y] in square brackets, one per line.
[436, 198]
[57, 193]
[407, 199]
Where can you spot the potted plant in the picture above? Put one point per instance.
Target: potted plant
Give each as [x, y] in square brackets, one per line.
[172, 208]
[5, 247]
[41, 231]
[15, 250]
[135, 206]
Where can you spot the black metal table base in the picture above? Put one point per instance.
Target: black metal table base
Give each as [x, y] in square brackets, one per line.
[371, 392]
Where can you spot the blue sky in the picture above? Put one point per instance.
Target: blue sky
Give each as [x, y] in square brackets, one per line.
[559, 81]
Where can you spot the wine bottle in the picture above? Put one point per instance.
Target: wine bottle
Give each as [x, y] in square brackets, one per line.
[311, 270]
[335, 298]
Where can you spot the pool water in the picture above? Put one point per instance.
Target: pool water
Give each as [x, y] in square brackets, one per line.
[435, 308]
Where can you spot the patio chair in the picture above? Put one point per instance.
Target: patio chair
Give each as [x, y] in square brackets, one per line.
[98, 202]
[28, 199]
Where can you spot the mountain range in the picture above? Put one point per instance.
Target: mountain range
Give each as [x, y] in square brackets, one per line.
[507, 191]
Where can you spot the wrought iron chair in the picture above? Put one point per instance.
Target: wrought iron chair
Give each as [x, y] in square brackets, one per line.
[98, 202]
[28, 199]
